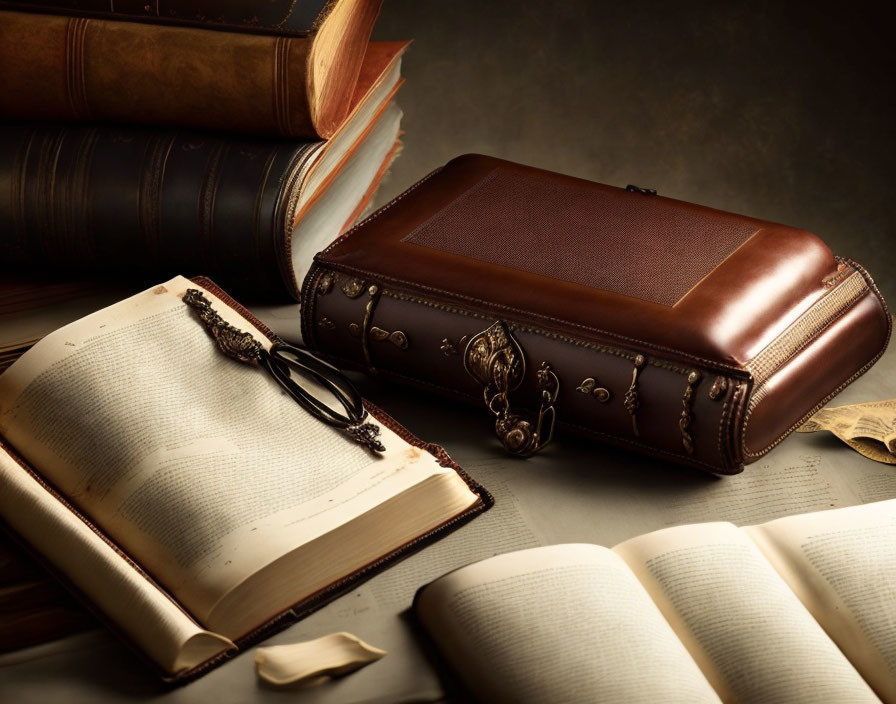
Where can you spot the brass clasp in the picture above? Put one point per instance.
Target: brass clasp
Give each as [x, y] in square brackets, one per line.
[495, 359]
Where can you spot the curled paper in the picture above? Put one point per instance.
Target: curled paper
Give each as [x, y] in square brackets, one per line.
[315, 661]
[868, 428]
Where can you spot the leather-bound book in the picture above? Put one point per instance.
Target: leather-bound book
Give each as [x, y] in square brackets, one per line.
[247, 210]
[696, 335]
[281, 68]
[185, 496]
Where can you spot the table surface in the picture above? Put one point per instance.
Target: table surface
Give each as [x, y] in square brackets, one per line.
[576, 491]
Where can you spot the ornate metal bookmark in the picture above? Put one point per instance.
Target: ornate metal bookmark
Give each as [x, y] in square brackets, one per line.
[280, 361]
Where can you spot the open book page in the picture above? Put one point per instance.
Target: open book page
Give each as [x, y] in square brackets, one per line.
[198, 465]
[842, 564]
[558, 623]
[149, 618]
[746, 629]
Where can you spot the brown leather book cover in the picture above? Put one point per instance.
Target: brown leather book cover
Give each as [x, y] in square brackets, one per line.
[154, 202]
[77, 68]
[280, 621]
[696, 335]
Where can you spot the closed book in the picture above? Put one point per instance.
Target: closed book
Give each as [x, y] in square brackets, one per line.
[96, 198]
[297, 83]
[692, 334]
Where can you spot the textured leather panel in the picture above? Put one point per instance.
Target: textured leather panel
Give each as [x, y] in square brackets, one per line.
[654, 249]
[724, 319]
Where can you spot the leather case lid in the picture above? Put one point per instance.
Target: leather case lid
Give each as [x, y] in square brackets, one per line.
[630, 269]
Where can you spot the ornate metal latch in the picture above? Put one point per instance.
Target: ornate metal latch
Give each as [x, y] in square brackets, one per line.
[496, 360]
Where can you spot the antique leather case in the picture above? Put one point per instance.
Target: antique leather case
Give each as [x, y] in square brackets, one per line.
[696, 335]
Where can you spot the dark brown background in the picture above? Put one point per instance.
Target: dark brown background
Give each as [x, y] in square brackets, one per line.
[783, 111]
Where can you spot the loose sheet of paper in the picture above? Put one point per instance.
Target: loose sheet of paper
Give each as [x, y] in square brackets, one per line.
[868, 428]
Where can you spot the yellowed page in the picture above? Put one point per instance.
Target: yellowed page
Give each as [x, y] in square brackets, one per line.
[842, 565]
[148, 617]
[565, 623]
[869, 428]
[200, 466]
[745, 628]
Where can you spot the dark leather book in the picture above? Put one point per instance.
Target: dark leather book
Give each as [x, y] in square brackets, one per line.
[696, 335]
[153, 202]
[87, 68]
[194, 506]
[298, 17]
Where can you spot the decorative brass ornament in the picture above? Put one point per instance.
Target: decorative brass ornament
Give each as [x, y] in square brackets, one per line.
[718, 388]
[236, 344]
[324, 284]
[326, 324]
[632, 402]
[687, 415]
[397, 338]
[373, 291]
[353, 288]
[354, 329]
[449, 348]
[589, 387]
[496, 360]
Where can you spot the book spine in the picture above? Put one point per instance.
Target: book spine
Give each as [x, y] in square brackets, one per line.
[150, 202]
[80, 69]
[624, 396]
[283, 16]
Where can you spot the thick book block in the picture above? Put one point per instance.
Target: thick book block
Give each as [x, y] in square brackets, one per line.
[693, 334]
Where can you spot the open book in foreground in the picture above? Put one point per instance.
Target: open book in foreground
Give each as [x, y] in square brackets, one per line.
[801, 609]
[190, 500]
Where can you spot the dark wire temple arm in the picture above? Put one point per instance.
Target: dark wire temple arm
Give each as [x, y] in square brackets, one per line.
[280, 362]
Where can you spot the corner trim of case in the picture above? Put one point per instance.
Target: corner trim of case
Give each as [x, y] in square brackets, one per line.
[872, 289]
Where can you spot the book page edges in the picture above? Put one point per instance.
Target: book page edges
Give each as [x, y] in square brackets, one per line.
[334, 61]
[145, 615]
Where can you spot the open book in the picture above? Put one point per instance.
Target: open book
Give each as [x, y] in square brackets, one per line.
[801, 609]
[196, 505]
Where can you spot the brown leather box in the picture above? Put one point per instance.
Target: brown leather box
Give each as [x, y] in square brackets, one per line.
[693, 334]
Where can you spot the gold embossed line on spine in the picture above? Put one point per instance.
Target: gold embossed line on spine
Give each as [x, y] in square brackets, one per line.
[280, 85]
[374, 292]
[687, 414]
[75, 67]
[632, 401]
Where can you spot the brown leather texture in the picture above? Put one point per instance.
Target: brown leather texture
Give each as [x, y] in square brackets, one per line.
[73, 68]
[745, 326]
[151, 202]
[284, 16]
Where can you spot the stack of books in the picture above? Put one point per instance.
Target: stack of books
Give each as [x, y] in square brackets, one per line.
[188, 136]
[144, 140]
